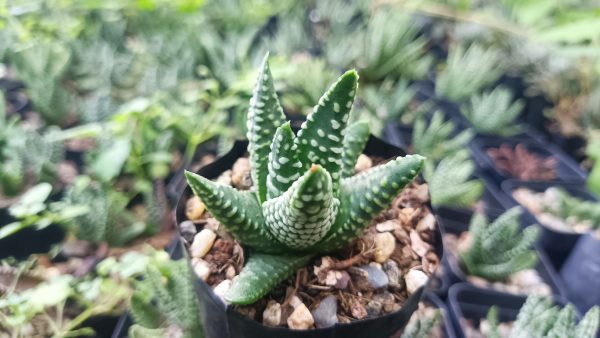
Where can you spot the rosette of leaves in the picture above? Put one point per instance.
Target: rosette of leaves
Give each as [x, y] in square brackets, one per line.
[468, 71]
[435, 139]
[539, 318]
[494, 112]
[451, 181]
[305, 200]
[499, 249]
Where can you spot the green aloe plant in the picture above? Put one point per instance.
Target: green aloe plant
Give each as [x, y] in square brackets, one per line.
[450, 182]
[468, 71]
[499, 249]
[539, 318]
[304, 201]
[435, 140]
[494, 112]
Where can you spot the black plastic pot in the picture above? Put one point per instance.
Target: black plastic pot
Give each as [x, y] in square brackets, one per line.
[581, 272]
[223, 321]
[28, 241]
[572, 145]
[456, 222]
[566, 169]
[435, 301]
[467, 302]
[557, 244]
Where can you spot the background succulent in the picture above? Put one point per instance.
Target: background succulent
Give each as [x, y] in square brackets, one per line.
[303, 203]
[494, 112]
[468, 71]
[499, 249]
[539, 318]
[435, 139]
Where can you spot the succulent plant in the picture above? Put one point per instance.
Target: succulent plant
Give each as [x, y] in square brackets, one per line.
[499, 249]
[468, 71]
[494, 112]
[450, 182]
[539, 318]
[163, 304]
[422, 327]
[435, 139]
[303, 201]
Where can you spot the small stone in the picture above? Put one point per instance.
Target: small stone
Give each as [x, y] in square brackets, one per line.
[363, 163]
[342, 280]
[248, 311]
[194, 208]
[360, 278]
[414, 279]
[295, 301]
[374, 308]
[230, 272]
[188, 230]
[357, 310]
[393, 272]
[201, 268]
[301, 318]
[386, 226]
[272, 314]
[225, 178]
[386, 299]
[418, 245]
[221, 289]
[325, 315]
[240, 174]
[427, 223]
[376, 277]
[203, 242]
[385, 243]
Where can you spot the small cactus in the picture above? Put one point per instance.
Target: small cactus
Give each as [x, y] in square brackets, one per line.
[539, 318]
[304, 200]
[499, 249]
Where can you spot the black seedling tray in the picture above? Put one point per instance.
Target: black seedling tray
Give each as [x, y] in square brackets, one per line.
[556, 244]
[566, 169]
[435, 301]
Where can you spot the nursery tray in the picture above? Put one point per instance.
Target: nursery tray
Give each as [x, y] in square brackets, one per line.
[223, 321]
[469, 302]
[456, 222]
[566, 169]
[556, 244]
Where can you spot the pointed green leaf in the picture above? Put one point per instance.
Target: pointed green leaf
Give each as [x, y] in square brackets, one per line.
[320, 139]
[261, 274]
[366, 195]
[264, 117]
[588, 326]
[238, 211]
[357, 135]
[284, 167]
[303, 215]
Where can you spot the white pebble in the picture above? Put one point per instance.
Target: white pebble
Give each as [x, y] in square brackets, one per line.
[203, 242]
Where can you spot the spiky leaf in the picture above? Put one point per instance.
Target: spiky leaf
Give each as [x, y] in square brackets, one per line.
[320, 139]
[264, 117]
[366, 195]
[588, 326]
[355, 140]
[260, 274]
[303, 215]
[284, 167]
[239, 211]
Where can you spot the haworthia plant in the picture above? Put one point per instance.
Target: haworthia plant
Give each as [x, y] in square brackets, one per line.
[539, 318]
[451, 183]
[499, 249]
[305, 199]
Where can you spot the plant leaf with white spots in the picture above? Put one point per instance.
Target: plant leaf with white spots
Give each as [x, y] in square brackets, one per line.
[303, 215]
[238, 211]
[357, 135]
[366, 195]
[320, 139]
[261, 274]
[284, 167]
[264, 117]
